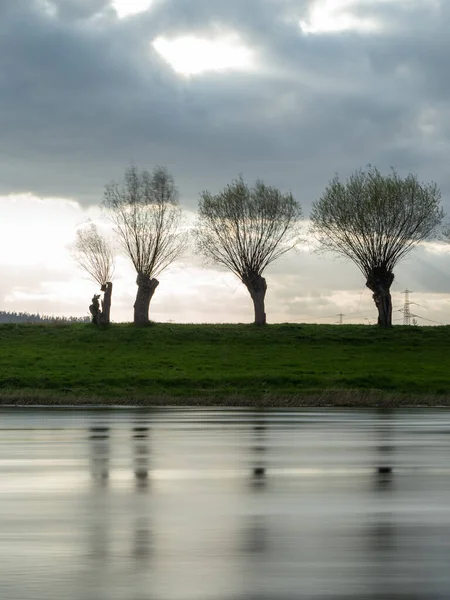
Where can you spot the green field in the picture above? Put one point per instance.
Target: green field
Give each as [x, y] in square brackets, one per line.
[229, 364]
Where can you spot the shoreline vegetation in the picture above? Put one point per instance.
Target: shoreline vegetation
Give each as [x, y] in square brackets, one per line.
[165, 364]
[331, 399]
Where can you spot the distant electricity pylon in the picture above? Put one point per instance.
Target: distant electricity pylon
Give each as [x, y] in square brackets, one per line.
[407, 308]
[340, 315]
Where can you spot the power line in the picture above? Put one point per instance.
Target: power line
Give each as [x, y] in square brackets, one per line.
[430, 320]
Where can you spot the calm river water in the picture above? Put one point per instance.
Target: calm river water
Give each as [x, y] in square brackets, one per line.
[193, 504]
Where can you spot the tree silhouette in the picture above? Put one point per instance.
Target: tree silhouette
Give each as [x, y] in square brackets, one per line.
[94, 254]
[147, 218]
[375, 220]
[245, 229]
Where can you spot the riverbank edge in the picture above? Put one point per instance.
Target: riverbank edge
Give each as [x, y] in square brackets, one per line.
[326, 399]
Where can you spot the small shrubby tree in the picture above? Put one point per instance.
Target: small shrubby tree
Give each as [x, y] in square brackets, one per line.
[147, 219]
[94, 254]
[375, 220]
[245, 229]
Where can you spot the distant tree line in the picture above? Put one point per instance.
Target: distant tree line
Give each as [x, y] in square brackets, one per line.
[24, 317]
[374, 220]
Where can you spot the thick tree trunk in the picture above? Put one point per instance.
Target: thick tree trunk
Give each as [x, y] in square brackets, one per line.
[146, 289]
[380, 281]
[257, 287]
[106, 302]
[95, 311]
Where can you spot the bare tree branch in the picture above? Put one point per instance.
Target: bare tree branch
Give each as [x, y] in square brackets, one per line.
[94, 254]
[375, 220]
[147, 219]
[245, 229]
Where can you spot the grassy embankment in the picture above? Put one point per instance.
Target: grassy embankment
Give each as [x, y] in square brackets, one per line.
[225, 364]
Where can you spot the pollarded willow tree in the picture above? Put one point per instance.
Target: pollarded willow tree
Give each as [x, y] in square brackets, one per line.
[375, 220]
[147, 219]
[246, 229]
[94, 254]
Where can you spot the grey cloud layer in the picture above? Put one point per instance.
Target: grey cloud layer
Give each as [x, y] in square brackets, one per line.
[82, 95]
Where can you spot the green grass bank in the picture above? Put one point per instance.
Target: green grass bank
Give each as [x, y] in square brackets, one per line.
[276, 365]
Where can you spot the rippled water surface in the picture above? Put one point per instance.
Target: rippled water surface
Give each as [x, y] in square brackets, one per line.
[192, 504]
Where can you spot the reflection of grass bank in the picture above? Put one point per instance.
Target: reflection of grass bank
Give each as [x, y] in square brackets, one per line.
[235, 364]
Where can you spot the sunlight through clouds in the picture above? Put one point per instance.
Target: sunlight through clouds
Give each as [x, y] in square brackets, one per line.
[191, 55]
[329, 16]
[40, 238]
[125, 8]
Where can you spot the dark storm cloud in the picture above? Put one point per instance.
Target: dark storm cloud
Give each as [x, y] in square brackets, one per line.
[83, 95]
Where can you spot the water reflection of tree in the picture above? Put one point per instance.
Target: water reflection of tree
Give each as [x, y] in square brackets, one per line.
[259, 450]
[140, 437]
[254, 533]
[141, 465]
[385, 447]
[98, 513]
[99, 452]
[382, 550]
[98, 509]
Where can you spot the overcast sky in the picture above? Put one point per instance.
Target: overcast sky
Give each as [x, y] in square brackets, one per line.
[291, 91]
